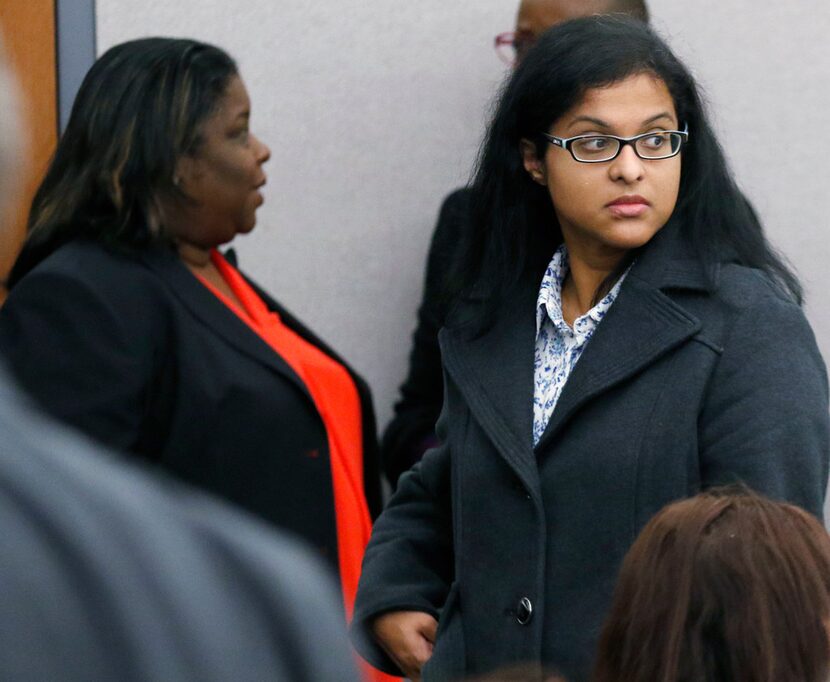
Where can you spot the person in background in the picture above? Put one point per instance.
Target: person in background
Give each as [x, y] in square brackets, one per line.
[412, 429]
[111, 573]
[724, 587]
[125, 320]
[624, 337]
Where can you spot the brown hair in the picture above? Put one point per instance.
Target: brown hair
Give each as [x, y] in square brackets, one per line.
[725, 586]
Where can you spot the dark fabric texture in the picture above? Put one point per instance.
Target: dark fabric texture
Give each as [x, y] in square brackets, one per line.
[109, 573]
[690, 381]
[412, 429]
[137, 353]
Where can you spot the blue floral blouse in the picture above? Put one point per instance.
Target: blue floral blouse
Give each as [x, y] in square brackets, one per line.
[558, 346]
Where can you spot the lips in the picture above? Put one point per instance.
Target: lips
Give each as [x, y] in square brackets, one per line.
[258, 189]
[628, 206]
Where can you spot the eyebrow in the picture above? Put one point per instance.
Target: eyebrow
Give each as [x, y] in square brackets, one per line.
[603, 124]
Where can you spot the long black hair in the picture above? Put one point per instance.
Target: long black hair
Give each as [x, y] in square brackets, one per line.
[514, 229]
[138, 110]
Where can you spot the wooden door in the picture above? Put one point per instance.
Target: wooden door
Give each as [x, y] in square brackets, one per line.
[28, 28]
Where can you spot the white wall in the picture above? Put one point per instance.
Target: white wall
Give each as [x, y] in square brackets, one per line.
[373, 111]
[766, 69]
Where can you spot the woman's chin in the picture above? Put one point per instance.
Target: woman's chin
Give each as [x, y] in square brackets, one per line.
[247, 226]
[629, 235]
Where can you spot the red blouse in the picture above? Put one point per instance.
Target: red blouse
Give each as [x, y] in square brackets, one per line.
[335, 396]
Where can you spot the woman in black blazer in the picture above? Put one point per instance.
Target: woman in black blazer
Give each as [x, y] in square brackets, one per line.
[625, 337]
[123, 322]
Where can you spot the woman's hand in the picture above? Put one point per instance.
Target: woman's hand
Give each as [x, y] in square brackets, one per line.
[408, 637]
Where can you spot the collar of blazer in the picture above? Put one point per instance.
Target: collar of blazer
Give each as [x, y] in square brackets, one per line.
[217, 317]
[494, 371]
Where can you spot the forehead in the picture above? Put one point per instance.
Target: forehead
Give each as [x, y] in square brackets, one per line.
[536, 16]
[234, 101]
[624, 104]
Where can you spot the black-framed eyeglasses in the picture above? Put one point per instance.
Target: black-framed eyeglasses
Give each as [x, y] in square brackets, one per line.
[661, 144]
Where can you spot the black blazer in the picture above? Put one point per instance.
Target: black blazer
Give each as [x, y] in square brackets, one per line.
[136, 352]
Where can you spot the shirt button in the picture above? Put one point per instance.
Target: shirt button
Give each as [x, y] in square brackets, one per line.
[524, 612]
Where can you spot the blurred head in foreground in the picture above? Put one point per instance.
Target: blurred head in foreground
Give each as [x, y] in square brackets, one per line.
[725, 586]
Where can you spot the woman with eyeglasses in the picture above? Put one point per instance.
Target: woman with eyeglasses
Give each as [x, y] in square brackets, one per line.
[623, 337]
[412, 430]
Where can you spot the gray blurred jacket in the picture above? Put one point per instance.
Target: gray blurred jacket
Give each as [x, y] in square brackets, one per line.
[108, 573]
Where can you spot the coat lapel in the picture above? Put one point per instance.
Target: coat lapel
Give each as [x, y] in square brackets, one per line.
[642, 325]
[215, 315]
[494, 372]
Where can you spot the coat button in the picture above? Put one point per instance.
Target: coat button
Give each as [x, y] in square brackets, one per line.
[521, 490]
[524, 612]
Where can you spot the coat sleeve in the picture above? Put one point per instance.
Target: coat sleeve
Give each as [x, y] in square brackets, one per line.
[765, 417]
[409, 562]
[411, 431]
[82, 350]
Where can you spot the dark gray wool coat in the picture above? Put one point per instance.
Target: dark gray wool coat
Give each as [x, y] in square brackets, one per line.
[690, 381]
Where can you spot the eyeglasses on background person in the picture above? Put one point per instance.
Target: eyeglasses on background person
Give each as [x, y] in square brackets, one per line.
[661, 144]
[511, 46]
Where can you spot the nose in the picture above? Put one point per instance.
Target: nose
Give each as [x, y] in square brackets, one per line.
[263, 153]
[627, 167]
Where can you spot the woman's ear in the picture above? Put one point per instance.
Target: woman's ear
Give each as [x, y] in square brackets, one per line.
[531, 161]
[185, 173]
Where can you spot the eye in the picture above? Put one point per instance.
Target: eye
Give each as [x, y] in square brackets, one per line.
[654, 141]
[595, 144]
